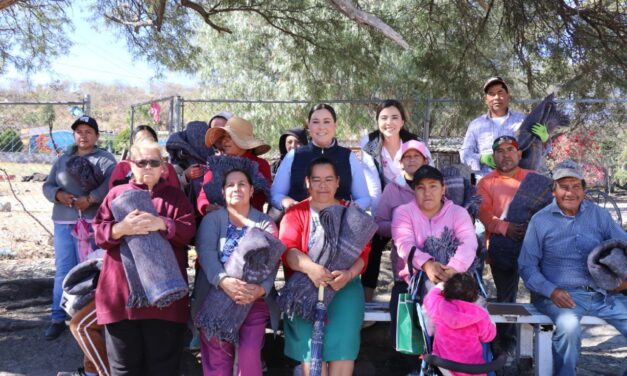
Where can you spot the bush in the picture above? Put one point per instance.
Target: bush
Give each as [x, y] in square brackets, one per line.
[10, 141]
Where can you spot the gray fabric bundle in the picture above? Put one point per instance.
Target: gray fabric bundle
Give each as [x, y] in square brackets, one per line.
[347, 230]
[79, 285]
[254, 259]
[151, 268]
[534, 193]
[88, 176]
[607, 263]
[443, 248]
[461, 191]
[219, 165]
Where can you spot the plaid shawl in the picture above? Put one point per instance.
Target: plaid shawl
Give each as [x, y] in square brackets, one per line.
[534, 193]
[253, 261]
[346, 231]
[151, 268]
[88, 176]
[220, 165]
[607, 263]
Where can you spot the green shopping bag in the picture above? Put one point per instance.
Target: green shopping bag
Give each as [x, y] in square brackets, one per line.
[408, 333]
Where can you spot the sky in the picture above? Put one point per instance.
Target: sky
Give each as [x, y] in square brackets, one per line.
[99, 56]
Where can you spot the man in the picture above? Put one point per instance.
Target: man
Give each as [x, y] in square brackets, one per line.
[497, 189]
[476, 151]
[553, 264]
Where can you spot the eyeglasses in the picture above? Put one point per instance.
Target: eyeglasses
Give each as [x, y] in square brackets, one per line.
[145, 162]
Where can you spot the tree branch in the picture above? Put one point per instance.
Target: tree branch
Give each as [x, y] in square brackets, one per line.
[7, 3]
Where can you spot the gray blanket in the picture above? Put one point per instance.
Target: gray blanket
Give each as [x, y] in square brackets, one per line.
[347, 230]
[607, 263]
[220, 165]
[79, 285]
[254, 259]
[152, 272]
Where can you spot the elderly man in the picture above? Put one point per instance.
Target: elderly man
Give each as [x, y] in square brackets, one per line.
[497, 189]
[476, 151]
[553, 264]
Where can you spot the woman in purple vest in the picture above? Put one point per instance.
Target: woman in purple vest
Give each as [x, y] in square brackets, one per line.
[288, 187]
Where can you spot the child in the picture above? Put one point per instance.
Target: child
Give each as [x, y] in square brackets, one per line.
[461, 326]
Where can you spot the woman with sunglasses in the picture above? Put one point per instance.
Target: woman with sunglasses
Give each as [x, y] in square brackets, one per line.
[122, 172]
[146, 340]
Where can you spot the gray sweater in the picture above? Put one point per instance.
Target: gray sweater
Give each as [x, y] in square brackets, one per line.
[60, 179]
[210, 239]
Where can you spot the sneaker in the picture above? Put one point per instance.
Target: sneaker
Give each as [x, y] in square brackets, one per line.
[54, 330]
[78, 372]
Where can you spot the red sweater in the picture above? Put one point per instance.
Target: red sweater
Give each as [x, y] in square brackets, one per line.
[122, 169]
[112, 291]
[294, 232]
[259, 198]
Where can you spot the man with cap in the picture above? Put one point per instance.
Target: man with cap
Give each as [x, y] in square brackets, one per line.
[553, 265]
[497, 189]
[476, 151]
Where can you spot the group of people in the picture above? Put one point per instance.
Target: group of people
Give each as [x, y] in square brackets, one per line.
[245, 218]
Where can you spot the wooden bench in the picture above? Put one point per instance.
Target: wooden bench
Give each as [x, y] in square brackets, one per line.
[535, 330]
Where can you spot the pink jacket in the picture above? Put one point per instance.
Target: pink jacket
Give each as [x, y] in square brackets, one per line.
[395, 194]
[410, 227]
[460, 328]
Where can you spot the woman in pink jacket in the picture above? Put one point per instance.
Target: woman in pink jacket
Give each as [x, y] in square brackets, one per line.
[431, 215]
[461, 326]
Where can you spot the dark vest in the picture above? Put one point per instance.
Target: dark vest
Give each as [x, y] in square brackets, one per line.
[303, 157]
[375, 144]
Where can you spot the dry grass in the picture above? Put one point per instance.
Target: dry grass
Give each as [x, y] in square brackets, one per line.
[24, 169]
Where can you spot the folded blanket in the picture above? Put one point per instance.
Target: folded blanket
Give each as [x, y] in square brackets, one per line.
[534, 193]
[346, 231]
[461, 191]
[607, 263]
[79, 285]
[152, 272]
[88, 176]
[255, 258]
[443, 248]
[220, 165]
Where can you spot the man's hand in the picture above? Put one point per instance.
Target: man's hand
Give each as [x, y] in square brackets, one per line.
[516, 231]
[562, 299]
[540, 131]
[436, 272]
[488, 160]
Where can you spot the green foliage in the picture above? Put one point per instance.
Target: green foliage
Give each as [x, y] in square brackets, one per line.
[121, 141]
[10, 141]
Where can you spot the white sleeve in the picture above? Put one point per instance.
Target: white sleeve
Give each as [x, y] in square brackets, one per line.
[373, 181]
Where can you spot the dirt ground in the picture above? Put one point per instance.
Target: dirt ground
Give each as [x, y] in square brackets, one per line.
[26, 253]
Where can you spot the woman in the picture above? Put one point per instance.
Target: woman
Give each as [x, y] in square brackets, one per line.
[145, 340]
[290, 139]
[430, 214]
[122, 172]
[218, 236]
[382, 158]
[298, 231]
[288, 187]
[236, 139]
[74, 196]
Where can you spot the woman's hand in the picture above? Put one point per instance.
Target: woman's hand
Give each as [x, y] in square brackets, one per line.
[137, 223]
[436, 272]
[64, 198]
[232, 287]
[319, 275]
[194, 171]
[288, 202]
[241, 292]
[82, 203]
[341, 278]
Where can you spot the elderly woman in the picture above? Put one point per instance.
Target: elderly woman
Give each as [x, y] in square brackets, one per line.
[236, 139]
[288, 187]
[77, 183]
[143, 339]
[219, 235]
[299, 229]
[122, 172]
[426, 223]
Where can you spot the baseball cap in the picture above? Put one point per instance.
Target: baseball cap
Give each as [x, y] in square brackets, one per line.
[85, 120]
[420, 147]
[494, 80]
[505, 139]
[427, 172]
[567, 169]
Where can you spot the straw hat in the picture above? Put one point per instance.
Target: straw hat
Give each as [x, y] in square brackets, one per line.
[241, 131]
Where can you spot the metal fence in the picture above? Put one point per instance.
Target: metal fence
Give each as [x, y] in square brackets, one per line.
[30, 128]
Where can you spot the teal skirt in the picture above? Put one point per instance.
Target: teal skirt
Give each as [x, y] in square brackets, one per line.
[341, 333]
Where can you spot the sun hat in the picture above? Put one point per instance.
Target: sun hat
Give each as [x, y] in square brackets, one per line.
[241, 131]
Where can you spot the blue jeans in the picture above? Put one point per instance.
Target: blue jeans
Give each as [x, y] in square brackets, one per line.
[65, 258]
[567, 336]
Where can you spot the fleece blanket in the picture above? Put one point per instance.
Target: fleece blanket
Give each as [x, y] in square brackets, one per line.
[89, 176]
[220, 165]
[79, 285]
[607, 263]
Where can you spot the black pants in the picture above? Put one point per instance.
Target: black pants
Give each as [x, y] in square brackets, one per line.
[144, 347]
[371, 275]
[506, 282]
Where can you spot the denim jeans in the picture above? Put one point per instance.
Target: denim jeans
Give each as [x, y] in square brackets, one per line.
[567, 336]
[65, 258]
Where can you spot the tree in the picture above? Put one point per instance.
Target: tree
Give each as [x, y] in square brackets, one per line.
[10, 141]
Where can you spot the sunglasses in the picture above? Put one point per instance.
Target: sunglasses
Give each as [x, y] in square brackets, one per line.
[145, 162]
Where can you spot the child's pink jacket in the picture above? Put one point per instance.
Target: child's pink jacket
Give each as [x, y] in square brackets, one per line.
[460, 328]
